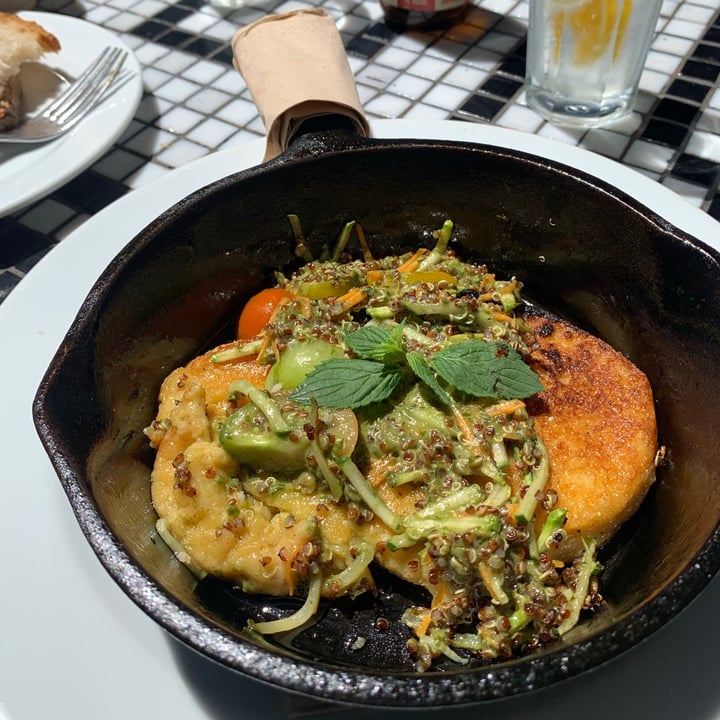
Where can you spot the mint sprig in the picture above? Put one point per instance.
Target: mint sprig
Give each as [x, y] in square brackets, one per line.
[476, 367]
[486, 369]
[424, 372]
[375, 342]
[347, 383]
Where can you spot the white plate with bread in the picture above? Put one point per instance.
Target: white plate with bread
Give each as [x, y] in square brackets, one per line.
[40, 54]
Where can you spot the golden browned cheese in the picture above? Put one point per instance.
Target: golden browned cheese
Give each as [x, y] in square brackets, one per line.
[406, 563]
[257, 546]
[597, 420]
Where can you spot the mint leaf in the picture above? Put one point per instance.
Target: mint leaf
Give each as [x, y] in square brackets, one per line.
[486, 369]
[347, 383]
[374, 342]
[423, 371]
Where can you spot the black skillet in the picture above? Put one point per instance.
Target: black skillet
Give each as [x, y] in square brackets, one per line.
[583, 249]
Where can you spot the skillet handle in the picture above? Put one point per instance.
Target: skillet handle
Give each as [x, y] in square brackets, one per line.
[298, 74]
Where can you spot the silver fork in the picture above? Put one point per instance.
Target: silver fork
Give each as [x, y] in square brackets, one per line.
[73, 105]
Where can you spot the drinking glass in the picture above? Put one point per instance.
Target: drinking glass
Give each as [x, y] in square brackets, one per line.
[585, 57]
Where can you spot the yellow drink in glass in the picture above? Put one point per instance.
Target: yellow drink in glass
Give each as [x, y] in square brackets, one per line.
[585, 57]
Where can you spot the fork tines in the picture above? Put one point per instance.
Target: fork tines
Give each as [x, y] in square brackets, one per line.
[88, 88]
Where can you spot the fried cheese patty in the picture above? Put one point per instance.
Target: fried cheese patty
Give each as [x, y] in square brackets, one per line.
[227, 531]
[596, 418]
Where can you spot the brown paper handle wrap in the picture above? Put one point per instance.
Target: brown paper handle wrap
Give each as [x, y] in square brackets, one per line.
[296, 68]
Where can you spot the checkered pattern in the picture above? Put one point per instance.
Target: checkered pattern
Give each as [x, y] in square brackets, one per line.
[195, 103]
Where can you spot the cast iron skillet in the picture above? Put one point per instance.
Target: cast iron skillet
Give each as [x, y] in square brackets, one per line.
[584, 251]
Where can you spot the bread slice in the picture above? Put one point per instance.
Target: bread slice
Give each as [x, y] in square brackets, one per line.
[22, 41]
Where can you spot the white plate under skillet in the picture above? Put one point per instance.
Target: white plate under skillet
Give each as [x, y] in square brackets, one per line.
[73, 645]
[30, 172]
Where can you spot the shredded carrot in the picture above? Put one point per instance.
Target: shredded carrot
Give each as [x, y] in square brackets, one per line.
[375, 276]
[486, 576]
[266, 335]
[289, 575]
[263, 348]
[437, 601]
[412, 263]
[352, 297]
[367, 255]
[377, 473]
[510, 287]
[305, 301]
[501, 317]
[468, 433]
[378, 480]
[505, 408]
[424, 624]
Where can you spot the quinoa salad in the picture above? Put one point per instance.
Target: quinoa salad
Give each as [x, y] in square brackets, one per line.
[376, 412]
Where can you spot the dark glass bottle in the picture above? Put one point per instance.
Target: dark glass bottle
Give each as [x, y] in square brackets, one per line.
[402, 15]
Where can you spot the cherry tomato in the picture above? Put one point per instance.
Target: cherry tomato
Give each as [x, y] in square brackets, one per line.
[258, 310]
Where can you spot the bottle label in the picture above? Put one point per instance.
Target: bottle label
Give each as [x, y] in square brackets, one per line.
[424, 6]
